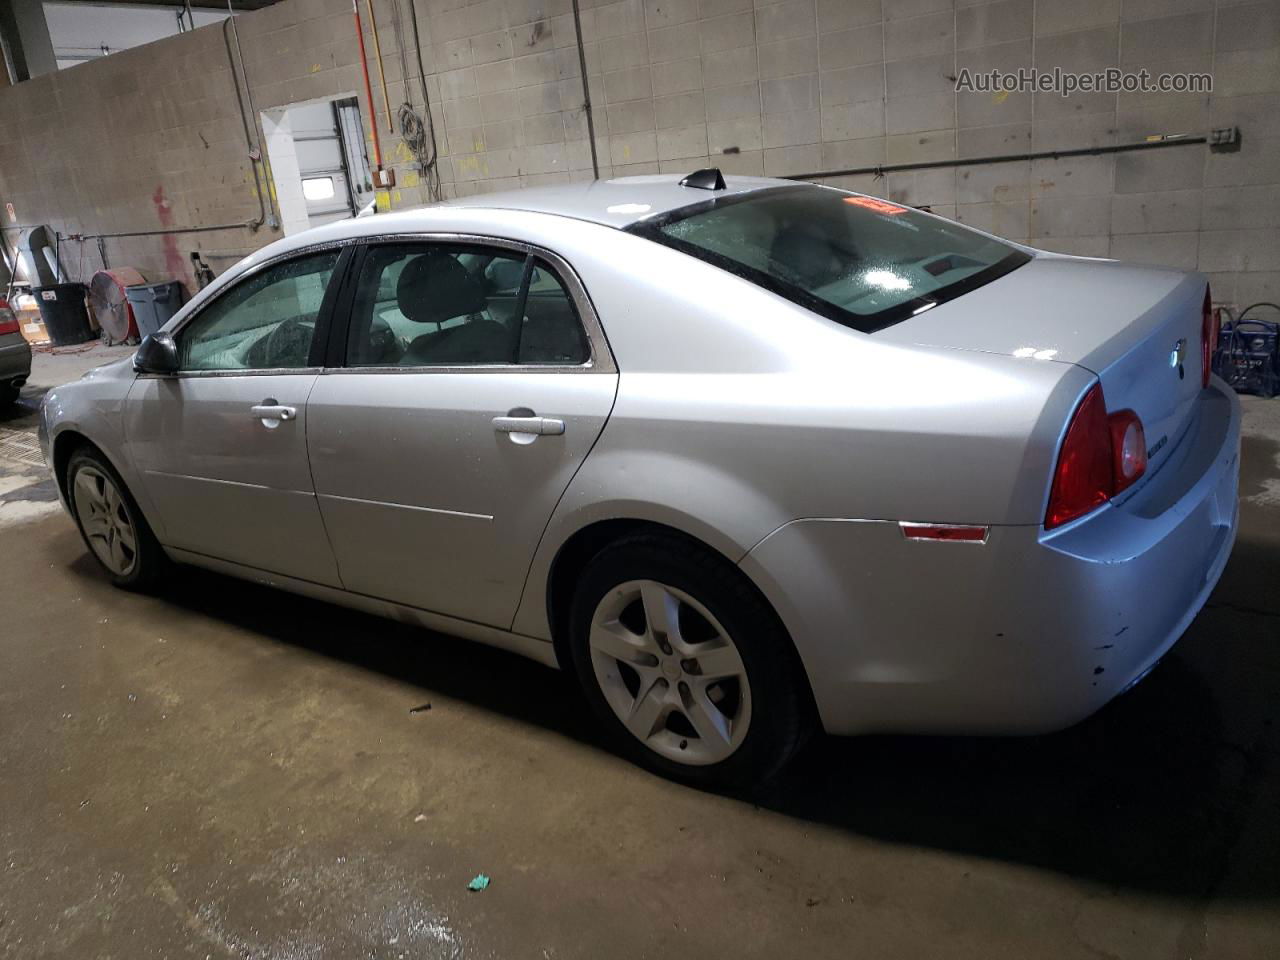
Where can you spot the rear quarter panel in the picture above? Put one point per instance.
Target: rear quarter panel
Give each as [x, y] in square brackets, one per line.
[738, 412]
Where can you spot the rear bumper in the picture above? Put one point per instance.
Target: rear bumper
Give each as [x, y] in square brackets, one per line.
[15, 358]
[1027, 633]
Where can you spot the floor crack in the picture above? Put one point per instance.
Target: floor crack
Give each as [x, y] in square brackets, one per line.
[1241, 608]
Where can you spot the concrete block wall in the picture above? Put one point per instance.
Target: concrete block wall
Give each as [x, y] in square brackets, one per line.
[776, 87]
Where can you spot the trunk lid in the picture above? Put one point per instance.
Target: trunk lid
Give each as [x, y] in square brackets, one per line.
[1123, 322]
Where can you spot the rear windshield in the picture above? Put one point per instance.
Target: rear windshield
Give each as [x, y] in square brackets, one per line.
[860, 261]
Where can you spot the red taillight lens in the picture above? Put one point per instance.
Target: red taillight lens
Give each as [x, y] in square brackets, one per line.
[1208, 338]
[8, 319]
[1101, 455]
[1083, 478]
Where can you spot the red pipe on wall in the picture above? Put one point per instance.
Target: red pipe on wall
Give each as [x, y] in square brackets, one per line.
[368, 87]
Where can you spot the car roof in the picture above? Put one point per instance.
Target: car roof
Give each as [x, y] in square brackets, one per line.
[619, 202]
[616, 203]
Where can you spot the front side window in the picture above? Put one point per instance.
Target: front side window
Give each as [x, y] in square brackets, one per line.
[266, 322]
[444, 305]
[860, 261]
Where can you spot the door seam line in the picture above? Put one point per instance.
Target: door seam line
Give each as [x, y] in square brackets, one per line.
[617, 386]
[315, 493]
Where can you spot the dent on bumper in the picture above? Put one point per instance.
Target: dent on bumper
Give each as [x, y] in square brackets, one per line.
[1027, 633]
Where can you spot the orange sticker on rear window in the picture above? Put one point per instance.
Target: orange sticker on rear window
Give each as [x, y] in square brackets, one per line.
[879, 206]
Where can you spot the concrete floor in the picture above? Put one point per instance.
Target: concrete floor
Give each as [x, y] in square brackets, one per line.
[226, 771]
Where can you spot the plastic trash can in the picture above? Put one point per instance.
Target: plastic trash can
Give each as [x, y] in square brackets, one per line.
[65, 316]
[153, 304]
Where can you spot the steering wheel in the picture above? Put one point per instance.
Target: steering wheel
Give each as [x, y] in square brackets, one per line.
[288, 345]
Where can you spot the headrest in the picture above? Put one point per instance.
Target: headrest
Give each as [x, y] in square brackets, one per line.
[435, 287]
[807, 254]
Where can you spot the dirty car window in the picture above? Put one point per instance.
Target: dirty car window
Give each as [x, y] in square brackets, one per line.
[861, 261]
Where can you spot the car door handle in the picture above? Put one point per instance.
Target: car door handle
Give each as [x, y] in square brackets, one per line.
[538, 426]
[270, 411]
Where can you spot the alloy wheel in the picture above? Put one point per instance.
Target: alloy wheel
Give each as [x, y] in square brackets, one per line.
[670, 672]
[105, 521]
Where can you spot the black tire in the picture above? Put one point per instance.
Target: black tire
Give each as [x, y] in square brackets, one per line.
[781, 715]
[150, 561]
[9, 394]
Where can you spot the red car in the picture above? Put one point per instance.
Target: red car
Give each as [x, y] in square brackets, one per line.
[15, 355]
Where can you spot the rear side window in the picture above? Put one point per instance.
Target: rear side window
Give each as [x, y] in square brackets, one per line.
[445, 305]
[552, 332]
[861, 261]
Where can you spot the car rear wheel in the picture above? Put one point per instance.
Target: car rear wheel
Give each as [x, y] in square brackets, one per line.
[9, 394]
[110, 522]
[686, 664]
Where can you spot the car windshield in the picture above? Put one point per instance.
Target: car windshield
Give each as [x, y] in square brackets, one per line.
[861, 261]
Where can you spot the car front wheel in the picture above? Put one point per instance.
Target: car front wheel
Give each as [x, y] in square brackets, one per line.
[110, 522]
[686, 664]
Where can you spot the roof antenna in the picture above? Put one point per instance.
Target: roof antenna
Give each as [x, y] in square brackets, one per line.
[708, 178]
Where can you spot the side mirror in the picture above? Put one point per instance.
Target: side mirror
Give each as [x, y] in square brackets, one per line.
[158, 354]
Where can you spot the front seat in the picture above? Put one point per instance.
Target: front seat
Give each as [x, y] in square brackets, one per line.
[435, 288]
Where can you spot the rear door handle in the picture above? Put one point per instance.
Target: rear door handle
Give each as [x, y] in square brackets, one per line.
[538, 426]
[270, 410]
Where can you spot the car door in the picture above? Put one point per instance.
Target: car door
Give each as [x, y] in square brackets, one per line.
[476, 382]
[222, 443]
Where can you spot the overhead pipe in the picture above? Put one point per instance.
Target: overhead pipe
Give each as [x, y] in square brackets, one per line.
[378, 176]
[210, 228]
[586, 90]
[255, 153]
[882, 168]
[382, 76]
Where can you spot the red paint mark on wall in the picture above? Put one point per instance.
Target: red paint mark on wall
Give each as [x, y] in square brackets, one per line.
[174, 261]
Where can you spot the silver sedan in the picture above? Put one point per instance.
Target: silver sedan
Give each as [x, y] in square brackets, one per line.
[750, 458]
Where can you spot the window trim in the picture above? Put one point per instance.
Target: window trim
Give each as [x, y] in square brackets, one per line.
[600, 359]
[324, 319]
[650, 228]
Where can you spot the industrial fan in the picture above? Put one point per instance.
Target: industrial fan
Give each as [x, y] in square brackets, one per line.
[111, 306]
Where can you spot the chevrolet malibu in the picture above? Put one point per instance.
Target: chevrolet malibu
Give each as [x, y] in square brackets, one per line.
[750, 458]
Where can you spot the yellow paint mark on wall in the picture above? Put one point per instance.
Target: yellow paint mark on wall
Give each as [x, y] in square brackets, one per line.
[1000, 96]
[315, 68]
[410, 179]
[383, 201]
[478, 145]
[402, 153]
[395, 197]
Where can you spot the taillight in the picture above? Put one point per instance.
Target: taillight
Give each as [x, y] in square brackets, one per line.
[8, 319]
[1128, 449]
[1208, 338]
[1101, 455]
[1083, 478]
